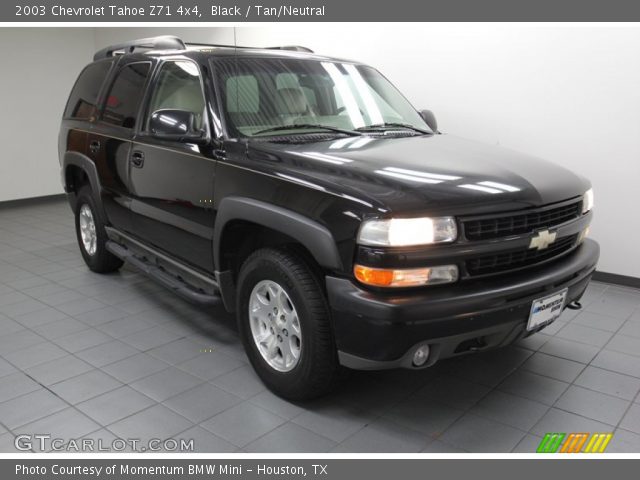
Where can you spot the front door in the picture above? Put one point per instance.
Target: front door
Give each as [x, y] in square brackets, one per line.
[172, 182]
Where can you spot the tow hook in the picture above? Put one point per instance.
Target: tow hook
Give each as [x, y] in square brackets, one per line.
[574, 305]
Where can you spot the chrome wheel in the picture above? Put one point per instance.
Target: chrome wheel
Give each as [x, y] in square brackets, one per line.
[88, 230]
[275, 326]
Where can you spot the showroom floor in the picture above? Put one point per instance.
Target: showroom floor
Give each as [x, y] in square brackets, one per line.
[90, 356]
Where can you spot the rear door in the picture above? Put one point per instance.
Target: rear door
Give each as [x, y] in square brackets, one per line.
[172, 182]
[109, 143]
[81, 111]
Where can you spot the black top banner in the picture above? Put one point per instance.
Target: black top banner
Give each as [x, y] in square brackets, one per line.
[21, 11]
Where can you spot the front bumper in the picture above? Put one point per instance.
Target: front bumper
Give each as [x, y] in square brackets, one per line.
[377, 330]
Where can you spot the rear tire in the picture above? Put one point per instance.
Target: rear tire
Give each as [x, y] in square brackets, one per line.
[287, 333]
[92, 236]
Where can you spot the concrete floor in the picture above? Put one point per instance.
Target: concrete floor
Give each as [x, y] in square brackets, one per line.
[92, 356]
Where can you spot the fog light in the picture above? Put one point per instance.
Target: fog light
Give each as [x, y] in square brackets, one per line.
[583, 235]
[421, 356]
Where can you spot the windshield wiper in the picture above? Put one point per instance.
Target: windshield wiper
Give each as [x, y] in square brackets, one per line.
[381, 126]
[308, 126]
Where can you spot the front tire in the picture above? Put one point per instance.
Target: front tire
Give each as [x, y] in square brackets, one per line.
[284, 323]
[92, 236]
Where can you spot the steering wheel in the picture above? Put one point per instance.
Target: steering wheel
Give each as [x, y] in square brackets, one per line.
[342, 109]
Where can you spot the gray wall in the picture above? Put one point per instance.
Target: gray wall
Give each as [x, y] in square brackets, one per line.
[39, 66]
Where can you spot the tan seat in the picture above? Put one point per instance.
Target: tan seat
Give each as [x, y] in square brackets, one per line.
[187, 97]
[291, 104]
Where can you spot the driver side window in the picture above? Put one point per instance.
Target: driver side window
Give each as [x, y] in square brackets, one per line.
[179, 87]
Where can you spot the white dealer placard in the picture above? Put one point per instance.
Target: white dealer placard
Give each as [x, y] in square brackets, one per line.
[547, 309]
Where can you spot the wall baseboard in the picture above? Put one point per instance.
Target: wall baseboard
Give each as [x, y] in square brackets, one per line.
[21, 202]
[616, 279]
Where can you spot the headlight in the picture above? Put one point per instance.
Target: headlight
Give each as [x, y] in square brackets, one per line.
[403, 232]
[587, 201]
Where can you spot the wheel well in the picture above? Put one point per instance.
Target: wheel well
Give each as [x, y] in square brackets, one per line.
[241, 238]
[75, 177]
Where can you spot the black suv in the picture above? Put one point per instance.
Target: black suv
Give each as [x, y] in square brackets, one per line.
[308, 196]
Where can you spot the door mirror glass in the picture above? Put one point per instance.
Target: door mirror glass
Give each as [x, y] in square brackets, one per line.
[175, 125]
[430, 119]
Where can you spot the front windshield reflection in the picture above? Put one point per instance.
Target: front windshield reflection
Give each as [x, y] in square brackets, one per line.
[263, 96]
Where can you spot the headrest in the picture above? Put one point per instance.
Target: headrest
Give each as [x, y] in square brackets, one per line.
[291, 101]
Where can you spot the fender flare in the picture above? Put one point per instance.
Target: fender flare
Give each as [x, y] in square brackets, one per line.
[315, 237]
[88, 166]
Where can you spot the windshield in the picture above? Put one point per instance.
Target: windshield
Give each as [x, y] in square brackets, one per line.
[263, 96]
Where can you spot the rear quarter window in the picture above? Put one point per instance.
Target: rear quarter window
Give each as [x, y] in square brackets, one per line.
[82, 103]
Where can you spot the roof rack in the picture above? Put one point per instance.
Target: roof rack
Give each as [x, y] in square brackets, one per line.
[167, 42]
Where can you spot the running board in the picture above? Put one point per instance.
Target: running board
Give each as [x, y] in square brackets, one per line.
[173, 283]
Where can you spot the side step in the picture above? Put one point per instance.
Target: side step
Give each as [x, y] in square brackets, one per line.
[173, 283]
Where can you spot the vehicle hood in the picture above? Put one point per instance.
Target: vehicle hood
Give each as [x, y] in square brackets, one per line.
[431, 173]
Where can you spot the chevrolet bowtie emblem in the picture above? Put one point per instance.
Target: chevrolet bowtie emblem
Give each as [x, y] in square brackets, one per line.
[542, 240]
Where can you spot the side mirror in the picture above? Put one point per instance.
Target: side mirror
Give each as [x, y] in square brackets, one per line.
[177, 126]
[430, 119]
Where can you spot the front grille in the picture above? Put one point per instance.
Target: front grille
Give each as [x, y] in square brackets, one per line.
[516, 259]
[505, 225]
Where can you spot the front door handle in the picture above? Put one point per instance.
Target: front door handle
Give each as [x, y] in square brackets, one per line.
[94, 146]
[137, 159]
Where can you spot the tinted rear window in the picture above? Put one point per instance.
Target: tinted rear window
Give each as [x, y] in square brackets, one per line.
[123, 100]
[83, 98]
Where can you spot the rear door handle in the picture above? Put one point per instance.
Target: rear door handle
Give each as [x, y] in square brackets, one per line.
[94, 146]
[137, 159]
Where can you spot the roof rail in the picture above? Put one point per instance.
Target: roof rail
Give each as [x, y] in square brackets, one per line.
[294, 48]
[167, 42]
[222, 45]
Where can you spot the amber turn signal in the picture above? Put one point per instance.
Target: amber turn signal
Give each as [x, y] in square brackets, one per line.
[414, 277]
